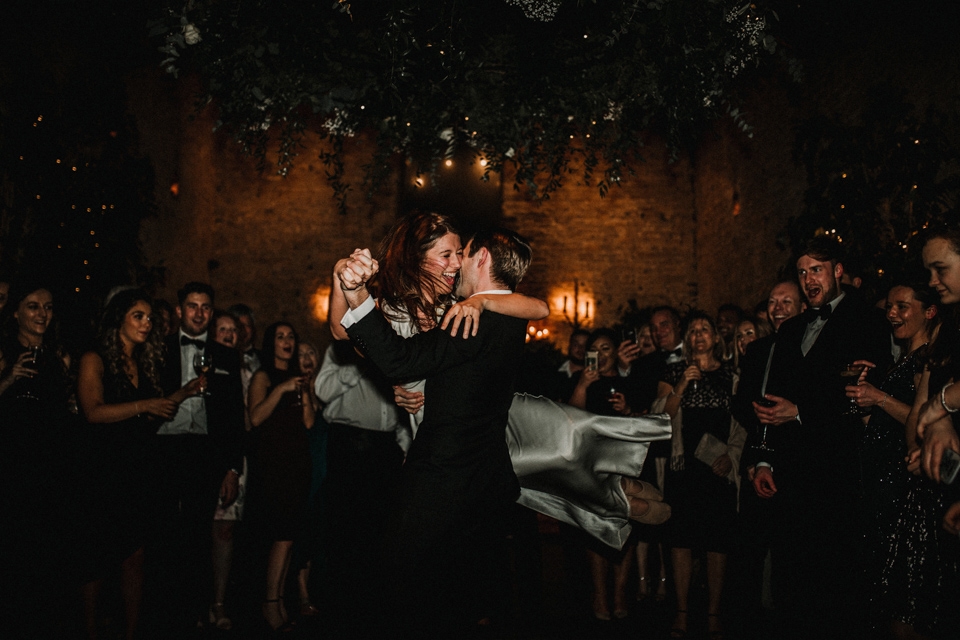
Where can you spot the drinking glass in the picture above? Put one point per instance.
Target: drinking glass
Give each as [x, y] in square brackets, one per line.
[849, 375]
[202, 363]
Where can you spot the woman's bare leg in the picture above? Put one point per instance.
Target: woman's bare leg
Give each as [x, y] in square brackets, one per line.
[277, 562]
[90, 594]
[599, 568]
[716, 571]
[682, 570]
[643, 552]
[131, 590]
[621, 573]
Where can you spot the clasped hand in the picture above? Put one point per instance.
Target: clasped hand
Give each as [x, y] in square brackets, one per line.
[355, 271]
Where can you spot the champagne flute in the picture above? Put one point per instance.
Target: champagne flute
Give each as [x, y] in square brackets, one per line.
[202, 363]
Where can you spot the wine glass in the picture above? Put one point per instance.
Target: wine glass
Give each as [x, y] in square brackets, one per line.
[763, 434]
[202, 363]
[850, 376]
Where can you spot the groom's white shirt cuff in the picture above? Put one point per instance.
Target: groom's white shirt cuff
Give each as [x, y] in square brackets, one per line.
[353, 316]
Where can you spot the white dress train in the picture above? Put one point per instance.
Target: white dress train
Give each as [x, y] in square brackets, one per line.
[569, 462]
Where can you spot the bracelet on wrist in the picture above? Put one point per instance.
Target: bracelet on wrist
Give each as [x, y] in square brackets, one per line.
[943, 399]
[883, 403]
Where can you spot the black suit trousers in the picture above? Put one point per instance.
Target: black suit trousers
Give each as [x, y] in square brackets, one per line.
[190, 484]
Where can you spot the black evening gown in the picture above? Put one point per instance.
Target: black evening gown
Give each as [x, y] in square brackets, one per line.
[121, 496]
[280, 469]
[704, 505]
[912, 562]
[37, 494]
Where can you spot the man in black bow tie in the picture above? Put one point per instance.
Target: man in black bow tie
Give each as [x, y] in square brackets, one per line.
[814, 442]
[200, 454]
[668, 336]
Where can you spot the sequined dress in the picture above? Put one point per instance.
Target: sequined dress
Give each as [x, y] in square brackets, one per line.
[911, 566]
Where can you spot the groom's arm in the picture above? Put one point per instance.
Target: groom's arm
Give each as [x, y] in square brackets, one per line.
[419, 356]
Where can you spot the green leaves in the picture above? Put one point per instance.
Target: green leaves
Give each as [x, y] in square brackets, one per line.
[587, 85]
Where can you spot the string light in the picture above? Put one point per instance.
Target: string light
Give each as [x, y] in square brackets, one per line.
[449, 163]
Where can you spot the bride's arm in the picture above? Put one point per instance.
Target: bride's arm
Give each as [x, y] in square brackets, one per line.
[338, 306]
[515, 305]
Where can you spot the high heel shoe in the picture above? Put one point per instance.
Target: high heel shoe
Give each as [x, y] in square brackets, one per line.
[218, 617]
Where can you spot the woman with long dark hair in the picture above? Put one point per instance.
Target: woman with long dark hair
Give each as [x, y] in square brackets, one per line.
[36, 460]
[899, 511]
[119, 394]
[281, 411]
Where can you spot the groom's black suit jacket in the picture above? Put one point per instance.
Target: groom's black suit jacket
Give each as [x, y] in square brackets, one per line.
[469, 389]
[224, 406]
[458, 484]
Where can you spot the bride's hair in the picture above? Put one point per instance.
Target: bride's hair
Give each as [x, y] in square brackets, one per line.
[402, 283]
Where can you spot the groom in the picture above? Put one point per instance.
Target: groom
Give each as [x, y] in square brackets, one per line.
[458, 483]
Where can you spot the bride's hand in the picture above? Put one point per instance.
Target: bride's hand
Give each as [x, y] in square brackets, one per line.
[468, 312]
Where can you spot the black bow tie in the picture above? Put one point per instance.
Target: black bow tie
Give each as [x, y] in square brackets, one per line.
[199, 344]
[823, 313]
[676, 352]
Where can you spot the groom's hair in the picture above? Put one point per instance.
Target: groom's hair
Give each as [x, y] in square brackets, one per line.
[510, 253]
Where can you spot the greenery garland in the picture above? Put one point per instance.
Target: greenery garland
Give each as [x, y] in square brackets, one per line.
[539, 84]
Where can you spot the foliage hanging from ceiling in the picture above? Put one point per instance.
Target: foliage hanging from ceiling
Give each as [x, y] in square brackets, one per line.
[536, 83]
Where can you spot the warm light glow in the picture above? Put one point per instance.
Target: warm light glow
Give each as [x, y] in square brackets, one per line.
[320, 302]
[562, 301]
[449, 163]
[483, 162]
[532, 329]
[175, 189]
[418, 182]
[546, 332]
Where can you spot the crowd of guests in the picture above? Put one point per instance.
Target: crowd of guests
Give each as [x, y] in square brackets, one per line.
[801, 484]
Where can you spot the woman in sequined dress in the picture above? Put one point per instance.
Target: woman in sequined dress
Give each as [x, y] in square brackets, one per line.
[899, 511]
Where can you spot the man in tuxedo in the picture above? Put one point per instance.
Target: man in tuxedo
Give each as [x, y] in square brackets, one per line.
[813, 467]
[200, 451]
[668, 336]
[758, 516]
[458, 485]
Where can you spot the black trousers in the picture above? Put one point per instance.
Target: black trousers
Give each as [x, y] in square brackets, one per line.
[363, 477]
[180, 570]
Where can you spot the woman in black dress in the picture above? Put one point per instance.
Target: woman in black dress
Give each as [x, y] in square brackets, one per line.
[703, 496]
[899, 511]
[281, 411]
[118, 391]
[36, 430]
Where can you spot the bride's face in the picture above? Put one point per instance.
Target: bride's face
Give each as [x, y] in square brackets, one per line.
[442, 262]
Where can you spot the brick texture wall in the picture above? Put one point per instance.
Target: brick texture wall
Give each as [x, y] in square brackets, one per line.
[668, 235]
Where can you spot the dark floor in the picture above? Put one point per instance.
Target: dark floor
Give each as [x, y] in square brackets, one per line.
[563, 594]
